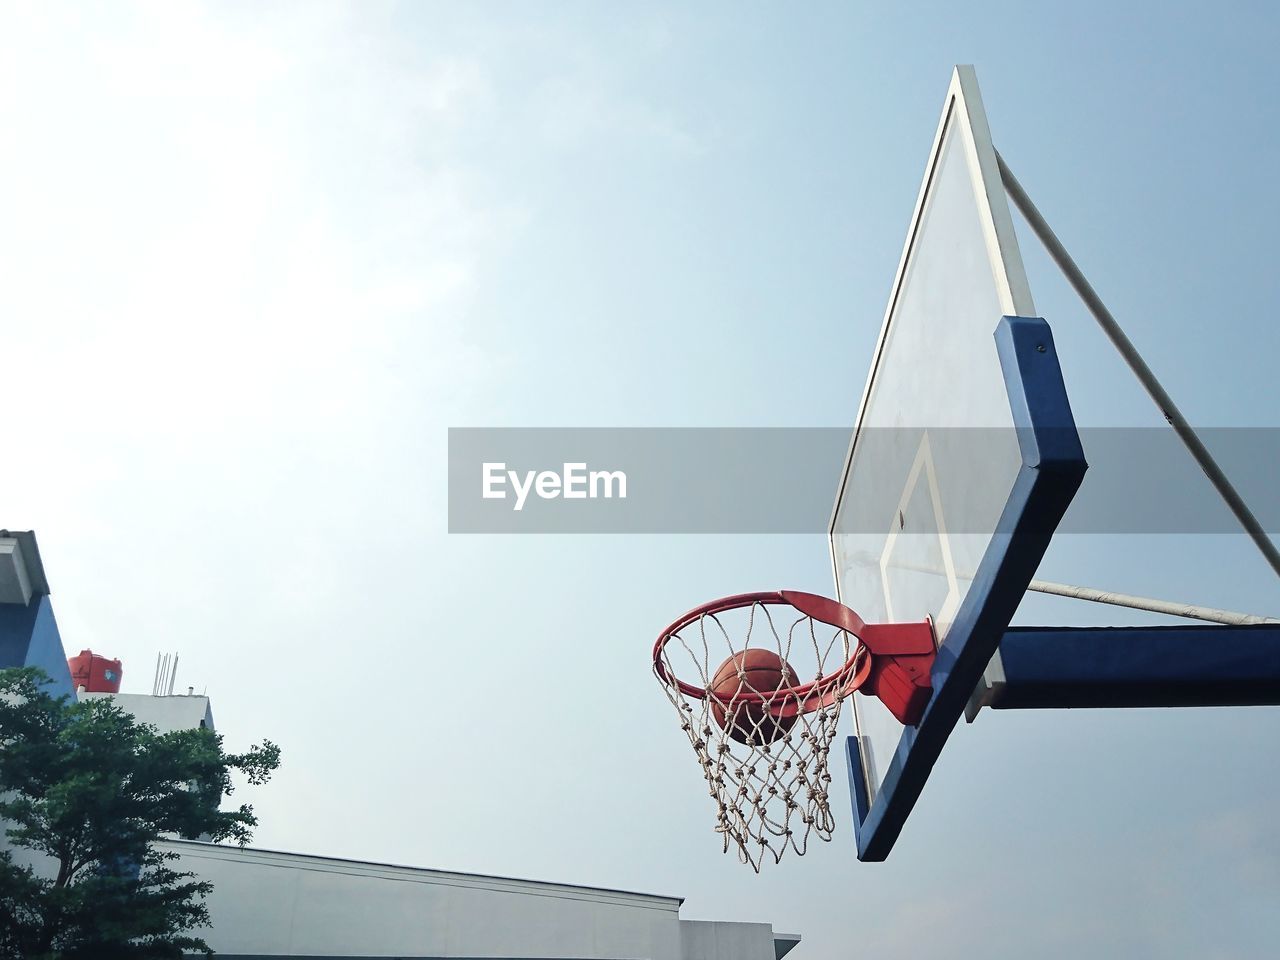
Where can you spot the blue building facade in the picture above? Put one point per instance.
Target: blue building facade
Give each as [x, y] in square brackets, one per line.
[28, 631]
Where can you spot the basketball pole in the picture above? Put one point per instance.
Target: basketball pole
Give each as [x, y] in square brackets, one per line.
[1186, 433]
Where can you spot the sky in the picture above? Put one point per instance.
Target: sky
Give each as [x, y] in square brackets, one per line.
[257, 259]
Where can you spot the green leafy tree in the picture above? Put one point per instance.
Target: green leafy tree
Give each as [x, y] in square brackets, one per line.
[92, 789]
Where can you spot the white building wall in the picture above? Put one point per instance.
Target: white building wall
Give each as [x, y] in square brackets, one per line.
[711, 940]
[267, 904]
[168, 713]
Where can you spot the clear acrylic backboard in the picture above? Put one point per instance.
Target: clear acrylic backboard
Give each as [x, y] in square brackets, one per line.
[935, 457]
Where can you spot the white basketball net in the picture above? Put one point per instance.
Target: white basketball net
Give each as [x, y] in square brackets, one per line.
[769, 796]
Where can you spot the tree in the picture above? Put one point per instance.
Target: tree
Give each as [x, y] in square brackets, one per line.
[92, 789]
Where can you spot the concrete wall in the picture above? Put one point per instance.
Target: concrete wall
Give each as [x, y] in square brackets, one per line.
[166, 714]
[268, 904]
[709, 940]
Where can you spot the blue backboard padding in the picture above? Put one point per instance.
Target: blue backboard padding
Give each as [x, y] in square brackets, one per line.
[29, 638]
[1173, 666]
[857, 783]
[1053, 467]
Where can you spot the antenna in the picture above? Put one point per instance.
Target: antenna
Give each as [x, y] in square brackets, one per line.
[166, 674]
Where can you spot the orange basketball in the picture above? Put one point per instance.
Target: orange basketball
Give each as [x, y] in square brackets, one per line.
[753, 670]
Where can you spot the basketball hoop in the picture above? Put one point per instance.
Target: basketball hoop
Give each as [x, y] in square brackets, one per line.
[761, 734]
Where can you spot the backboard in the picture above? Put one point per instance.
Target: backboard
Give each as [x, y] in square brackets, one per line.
[964, 456]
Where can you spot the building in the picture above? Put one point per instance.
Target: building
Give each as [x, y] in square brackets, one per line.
[28, 632]
[270, 904]
[175, 711]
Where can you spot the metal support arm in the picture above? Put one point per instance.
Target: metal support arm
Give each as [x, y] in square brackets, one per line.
[1183, 666]
[1186, 433]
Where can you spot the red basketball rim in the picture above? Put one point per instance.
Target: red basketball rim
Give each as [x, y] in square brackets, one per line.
[805, 698]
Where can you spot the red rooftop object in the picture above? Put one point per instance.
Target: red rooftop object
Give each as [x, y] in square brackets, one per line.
[95, 673]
